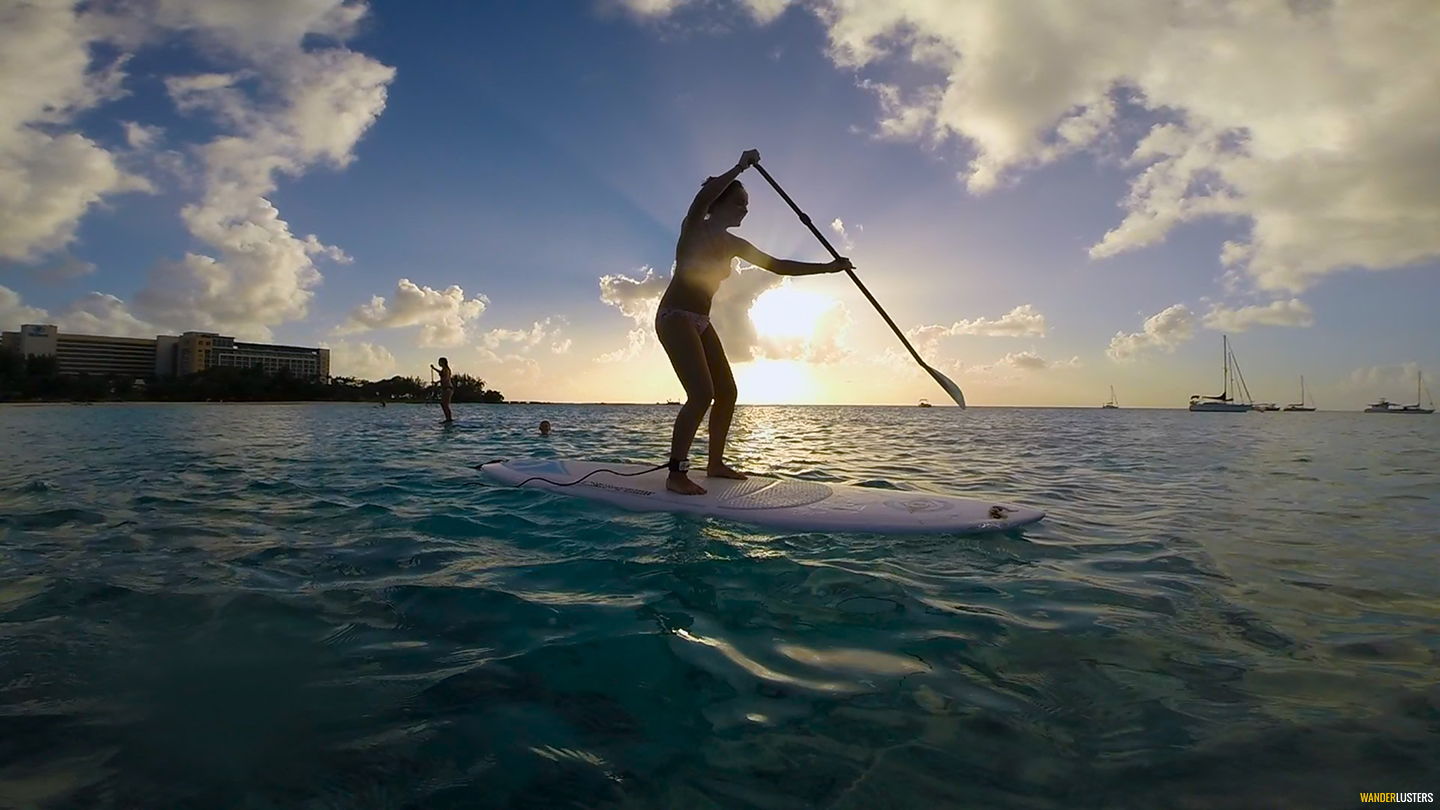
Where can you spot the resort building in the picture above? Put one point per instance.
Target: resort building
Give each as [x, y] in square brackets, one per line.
[163, 355]
[197, 351]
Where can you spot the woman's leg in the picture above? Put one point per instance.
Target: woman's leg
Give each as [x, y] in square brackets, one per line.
[723, 382]
[687, 355]
[445, 404]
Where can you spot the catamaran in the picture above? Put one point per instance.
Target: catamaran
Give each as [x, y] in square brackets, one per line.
[1300, 406]
[1225, 403]
[1112, 402]
[1386, 406]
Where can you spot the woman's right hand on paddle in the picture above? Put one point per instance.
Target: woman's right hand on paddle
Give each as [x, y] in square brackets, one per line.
[840, 265]
[748, 158]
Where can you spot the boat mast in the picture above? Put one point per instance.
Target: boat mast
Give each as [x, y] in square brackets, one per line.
[1225, 358]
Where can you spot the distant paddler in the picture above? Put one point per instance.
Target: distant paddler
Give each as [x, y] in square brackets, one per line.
[447, 387]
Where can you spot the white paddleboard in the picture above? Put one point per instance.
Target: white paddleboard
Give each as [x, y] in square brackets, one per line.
[779, 503]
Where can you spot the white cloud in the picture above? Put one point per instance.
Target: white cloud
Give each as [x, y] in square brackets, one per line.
[47, 183]
[1022, 321]
[442, 315]
[289, 101]
[503, 345]
[649, 8]
[637, 299]
[824, 341]
[367, 361]
[13, 313]
[1292, 312]
[63, 268]
[1395, 381]
[50, 177]
[102, 314]
[763, 11]
[1162, 331]
[1026, 361]
[92, 314]
[313, 108]
[847, 242]
[1313, 122]
[730, 313]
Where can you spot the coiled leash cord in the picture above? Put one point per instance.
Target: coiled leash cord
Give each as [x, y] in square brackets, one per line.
[672, 465]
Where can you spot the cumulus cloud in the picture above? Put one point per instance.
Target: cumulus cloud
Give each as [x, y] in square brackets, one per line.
[313, 108]
[1162, 331]
[1009, 367]
[290, 99]
[50, 177]
[843, 231]
[92, 314]
[1292, 312]
[648, 8]
[519, 345]
[442, 315]
[13, 312]
[64, 268]
[1022, 321]
[367, 361]
[1395, 381]
[102, 314]
[730, 313]
[1332, 163]
[637, 299]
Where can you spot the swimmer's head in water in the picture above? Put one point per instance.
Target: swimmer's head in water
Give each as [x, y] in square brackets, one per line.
[544, 427]
[731, 206]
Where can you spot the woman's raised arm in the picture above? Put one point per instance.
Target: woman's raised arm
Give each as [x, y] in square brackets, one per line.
[711, 189]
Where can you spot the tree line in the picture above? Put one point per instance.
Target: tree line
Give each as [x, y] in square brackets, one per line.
[38, 378]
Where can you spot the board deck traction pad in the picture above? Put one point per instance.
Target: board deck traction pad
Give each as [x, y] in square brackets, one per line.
[762, 500]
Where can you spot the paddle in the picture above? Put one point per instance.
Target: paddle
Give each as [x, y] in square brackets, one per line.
[945, 382]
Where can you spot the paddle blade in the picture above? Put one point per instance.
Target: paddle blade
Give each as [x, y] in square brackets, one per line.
[949, 385]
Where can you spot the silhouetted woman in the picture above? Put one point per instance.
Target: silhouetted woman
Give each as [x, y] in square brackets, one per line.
[703, 258]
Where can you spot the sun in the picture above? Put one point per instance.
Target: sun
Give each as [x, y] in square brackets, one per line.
[786, 312]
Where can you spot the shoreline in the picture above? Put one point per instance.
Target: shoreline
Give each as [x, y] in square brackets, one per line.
[403, 403]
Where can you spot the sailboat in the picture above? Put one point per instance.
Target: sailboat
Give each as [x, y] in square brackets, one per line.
[1224, 403]
[1386, 406]
[1112, 403]
[1300, 406]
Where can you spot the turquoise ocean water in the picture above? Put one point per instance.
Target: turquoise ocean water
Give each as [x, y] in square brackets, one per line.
[323, 606]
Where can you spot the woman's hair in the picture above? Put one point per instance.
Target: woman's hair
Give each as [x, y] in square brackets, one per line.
[444, 362]
[734, 187]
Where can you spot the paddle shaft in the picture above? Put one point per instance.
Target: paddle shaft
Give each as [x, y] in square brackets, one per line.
[805, 218]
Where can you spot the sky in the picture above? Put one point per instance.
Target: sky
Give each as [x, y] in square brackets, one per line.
[1050, 198]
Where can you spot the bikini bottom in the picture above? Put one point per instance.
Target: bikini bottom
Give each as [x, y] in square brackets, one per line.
[700, 322]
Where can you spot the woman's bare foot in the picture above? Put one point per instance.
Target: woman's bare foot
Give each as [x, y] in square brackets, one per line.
[723, 470]
[680, 483]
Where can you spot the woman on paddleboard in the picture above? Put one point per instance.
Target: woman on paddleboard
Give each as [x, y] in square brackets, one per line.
[703, 258]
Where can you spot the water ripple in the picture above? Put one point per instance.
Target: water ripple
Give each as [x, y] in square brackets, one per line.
[323, 606]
